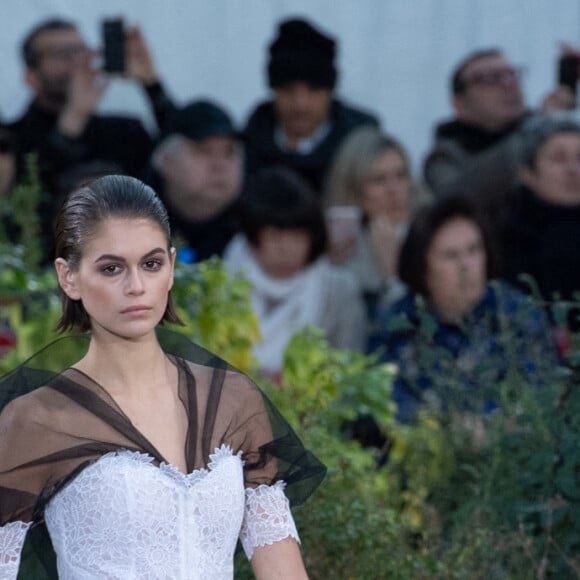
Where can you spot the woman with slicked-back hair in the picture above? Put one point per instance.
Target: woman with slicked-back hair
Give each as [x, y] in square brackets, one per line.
[148, 457]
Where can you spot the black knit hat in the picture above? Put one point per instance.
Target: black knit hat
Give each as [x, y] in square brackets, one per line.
[302, 53]
[201, 119]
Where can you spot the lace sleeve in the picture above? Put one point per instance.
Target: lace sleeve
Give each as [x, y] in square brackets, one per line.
[12, 538]
[267, 517]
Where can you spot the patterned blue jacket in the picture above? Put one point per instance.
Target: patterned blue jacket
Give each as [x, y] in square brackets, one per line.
[507, 336]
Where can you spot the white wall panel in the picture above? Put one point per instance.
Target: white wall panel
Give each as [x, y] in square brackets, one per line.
[395, 55]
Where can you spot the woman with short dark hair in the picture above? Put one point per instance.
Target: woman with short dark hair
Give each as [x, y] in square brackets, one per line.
[457, 334]
[281, 250]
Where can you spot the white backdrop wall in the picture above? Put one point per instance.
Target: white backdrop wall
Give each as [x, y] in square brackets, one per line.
[394, 57]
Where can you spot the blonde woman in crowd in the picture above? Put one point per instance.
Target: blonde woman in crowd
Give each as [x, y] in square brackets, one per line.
[370, 196]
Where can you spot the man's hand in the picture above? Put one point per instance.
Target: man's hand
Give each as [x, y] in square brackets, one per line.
[560, 99]
[140, 66]
[86, 88]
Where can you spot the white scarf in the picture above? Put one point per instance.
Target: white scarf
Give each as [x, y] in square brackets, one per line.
[298, 301]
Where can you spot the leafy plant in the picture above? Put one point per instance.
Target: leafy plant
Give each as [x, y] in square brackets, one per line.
[19, 221]
[463, 494]
[215, 308]
[349, 520]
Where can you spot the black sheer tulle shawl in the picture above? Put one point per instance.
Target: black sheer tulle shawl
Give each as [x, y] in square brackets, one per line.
[55, 421]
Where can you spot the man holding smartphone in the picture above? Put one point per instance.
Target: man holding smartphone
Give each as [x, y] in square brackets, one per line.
[476, 152]
[61, 124]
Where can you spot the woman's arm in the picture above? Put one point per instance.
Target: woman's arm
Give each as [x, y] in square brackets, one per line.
[12, 538]
[279, 561]
[269, 535]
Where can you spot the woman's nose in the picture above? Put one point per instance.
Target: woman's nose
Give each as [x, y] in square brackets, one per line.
[135, 283]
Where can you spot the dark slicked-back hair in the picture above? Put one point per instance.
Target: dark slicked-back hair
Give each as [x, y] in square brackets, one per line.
[457, 80]
[427, 221]
[84, 210]
[278, 197]
[28, 49]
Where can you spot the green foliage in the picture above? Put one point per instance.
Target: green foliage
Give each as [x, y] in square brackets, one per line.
[215, 308]
[462, 495]
[29, 301]
[319, 377]
[349, 520]
[497, 494]
[19, 215]
[29, 304]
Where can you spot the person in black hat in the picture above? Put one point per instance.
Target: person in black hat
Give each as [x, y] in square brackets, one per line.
[197, 169]
[303, 124]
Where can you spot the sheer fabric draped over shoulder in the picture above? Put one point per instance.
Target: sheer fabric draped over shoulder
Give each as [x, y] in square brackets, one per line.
[54, 424]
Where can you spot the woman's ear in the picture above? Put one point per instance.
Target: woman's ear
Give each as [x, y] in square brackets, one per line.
[67, 279]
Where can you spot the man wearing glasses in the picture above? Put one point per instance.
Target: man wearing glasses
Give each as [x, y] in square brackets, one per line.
[67, 83]
[61, 124]
[477, 151]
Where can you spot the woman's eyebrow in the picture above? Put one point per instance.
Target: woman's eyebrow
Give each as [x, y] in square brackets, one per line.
[113, 257]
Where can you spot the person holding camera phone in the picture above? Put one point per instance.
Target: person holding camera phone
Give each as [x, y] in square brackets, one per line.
[476, 152]
[61, 124]
[370, 181]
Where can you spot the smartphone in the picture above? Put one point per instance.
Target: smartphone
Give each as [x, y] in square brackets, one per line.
[343, 223]
[113, 34]
[568, 72]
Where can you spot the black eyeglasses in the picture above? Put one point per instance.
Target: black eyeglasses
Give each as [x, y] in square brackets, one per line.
[494, 78]
[66, 52]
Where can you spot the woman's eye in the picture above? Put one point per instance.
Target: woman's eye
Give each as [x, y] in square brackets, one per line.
[153, 264]
[110, 269]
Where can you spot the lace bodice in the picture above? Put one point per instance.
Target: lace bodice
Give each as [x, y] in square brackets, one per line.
[75, 467]
[125, 518]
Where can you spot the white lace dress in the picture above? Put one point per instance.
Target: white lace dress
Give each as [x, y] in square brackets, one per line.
[125, 518]
[114, 508]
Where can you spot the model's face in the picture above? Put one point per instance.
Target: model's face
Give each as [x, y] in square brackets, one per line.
[456, 268]
[492, 97]
[556, 175]
[124, 278]
[282, 253]
[387, 189]
[301, 108]
[59, 52]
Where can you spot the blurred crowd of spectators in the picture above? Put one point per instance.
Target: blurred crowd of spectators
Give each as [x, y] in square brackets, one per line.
[316, 202]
